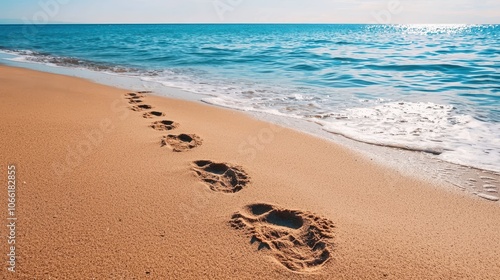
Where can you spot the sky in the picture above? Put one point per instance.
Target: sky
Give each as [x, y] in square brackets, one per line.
[250, 11]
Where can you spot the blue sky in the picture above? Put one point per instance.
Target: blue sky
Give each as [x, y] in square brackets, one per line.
[226, 11]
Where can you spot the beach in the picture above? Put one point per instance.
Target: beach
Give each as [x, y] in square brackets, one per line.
[108, 188]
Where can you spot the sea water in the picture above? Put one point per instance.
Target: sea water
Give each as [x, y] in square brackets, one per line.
[430, 88]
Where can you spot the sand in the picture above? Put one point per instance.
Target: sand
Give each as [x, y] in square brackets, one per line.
[107, 190]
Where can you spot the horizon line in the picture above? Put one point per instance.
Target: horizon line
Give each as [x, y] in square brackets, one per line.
[234, 23]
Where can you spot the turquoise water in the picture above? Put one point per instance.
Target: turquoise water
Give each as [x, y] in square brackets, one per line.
[433, 88]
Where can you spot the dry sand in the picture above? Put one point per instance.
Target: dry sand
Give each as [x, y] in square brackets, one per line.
[102, 194]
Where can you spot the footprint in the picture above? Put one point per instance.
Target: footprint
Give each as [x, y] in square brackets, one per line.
[164, 125]
[133, 95]
[221, 177]
[301, 241]
[140, 108]
[152, 114]
[181, 142]
[135, 101]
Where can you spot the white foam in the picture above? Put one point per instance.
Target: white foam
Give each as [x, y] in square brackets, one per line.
[489, 197]
[422, 126]
[233, 103]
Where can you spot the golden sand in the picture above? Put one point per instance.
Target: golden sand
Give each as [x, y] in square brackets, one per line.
[113, 185]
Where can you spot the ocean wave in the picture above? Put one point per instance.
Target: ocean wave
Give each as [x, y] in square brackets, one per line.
[72, 62]
[422, 67]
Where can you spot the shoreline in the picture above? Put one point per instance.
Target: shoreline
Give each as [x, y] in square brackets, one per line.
[421, 165]
[129, 206]
[135, 80]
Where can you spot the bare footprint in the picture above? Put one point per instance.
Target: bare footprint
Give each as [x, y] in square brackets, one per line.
[133, 95]
[181, 142]
[135, 101]
[152, 114]
[134, 98]
[164, 125]
[301, 241]
[221, 177]
[140, 108]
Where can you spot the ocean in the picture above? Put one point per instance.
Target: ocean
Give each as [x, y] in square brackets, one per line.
[428, 88]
